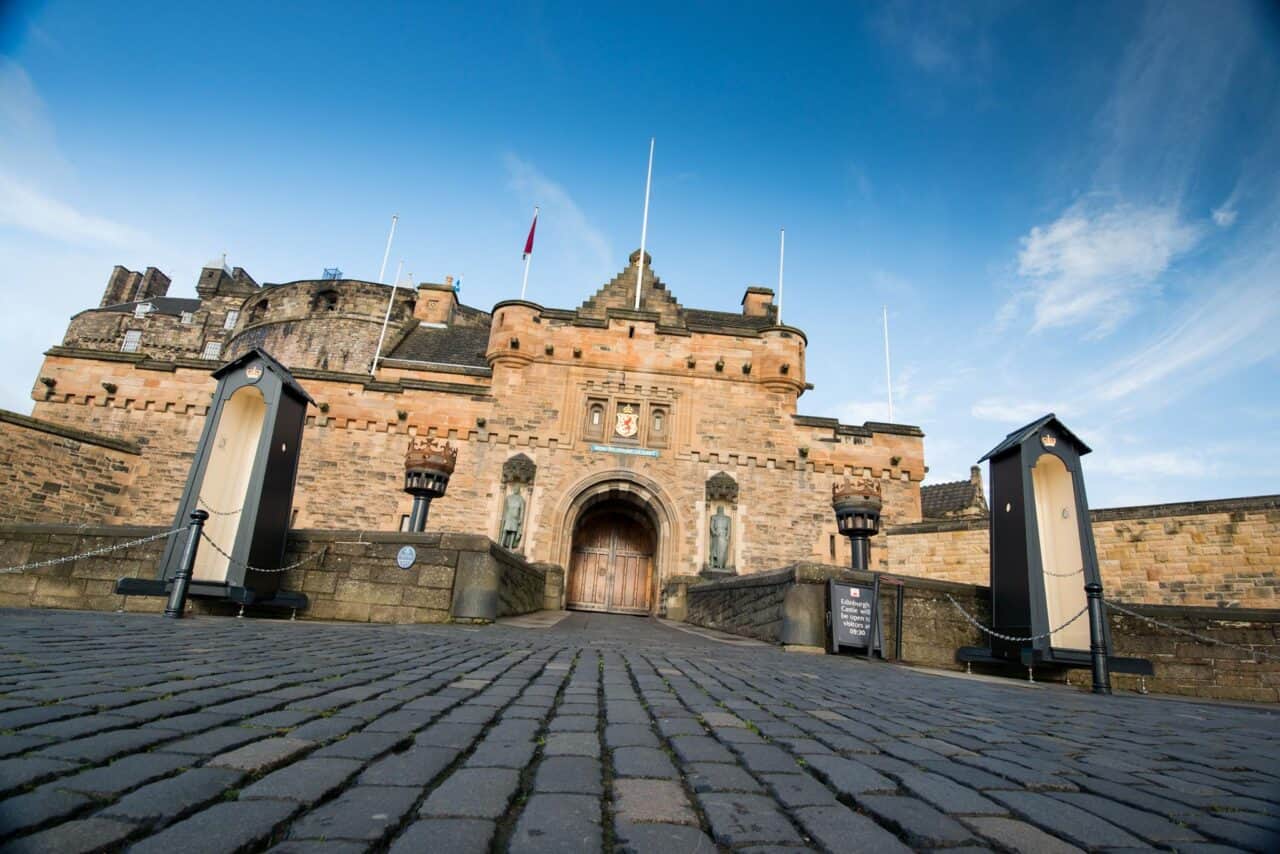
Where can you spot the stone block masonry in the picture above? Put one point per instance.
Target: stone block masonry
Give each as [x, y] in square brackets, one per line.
[1202, 553]
[356, 579]
[57, 473]
[786, 605]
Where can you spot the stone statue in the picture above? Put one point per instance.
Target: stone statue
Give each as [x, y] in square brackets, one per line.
[513, 520]
[720, 527]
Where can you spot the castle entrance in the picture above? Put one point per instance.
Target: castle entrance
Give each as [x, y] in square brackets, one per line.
[611, 564]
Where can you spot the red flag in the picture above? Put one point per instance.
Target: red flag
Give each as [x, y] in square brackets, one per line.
[528, 244]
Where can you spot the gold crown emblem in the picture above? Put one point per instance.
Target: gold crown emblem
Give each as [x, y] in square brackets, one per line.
[435, 454]
[1048, 441]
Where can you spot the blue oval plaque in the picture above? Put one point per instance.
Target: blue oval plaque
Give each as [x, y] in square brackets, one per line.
[406, 556]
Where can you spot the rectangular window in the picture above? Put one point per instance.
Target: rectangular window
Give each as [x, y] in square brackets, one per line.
[212, 350]
[230, 322]
[404, 522]
[188, 318]
[142, 310]
[132, 341]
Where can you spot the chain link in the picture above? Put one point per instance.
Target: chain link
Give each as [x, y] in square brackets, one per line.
[1254, 652]
[246, 566]
[996, 634]
[212, 512]
[91, 553]
[1070, 574]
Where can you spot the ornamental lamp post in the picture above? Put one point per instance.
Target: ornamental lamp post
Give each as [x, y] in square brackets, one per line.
[857, 504]
[428, 464]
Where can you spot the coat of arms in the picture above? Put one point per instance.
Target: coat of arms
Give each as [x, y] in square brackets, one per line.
[628, 423]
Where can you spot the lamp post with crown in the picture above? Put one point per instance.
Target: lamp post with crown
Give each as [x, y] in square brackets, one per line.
[857, 504]
[428, 465]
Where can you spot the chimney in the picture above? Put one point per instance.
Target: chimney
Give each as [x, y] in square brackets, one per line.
[436, 303]
[979, 500]
[154, 284]
[758, 302]
[120, 286]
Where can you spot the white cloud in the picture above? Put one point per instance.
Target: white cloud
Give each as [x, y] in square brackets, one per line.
[28, 147]
[1150, 465]
[29, 209]
[1090, 267]
[561, 213]
[1225, 216]
[1230, 328]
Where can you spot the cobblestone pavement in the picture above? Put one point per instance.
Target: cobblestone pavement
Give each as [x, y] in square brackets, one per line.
[603, 733]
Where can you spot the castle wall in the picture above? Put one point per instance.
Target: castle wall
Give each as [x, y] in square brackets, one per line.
[351, 468]
[52, 473]
[325, 325]
[1224, 553]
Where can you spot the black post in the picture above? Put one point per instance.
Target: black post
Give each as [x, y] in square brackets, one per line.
[182, 578]
[1097, 643]
[860, 546]
[873, 636]
[897, 623]
[418, 515]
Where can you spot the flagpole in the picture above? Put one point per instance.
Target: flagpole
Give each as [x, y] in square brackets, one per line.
[888, 375]
[387, 252]
[782, 252]
[644, 228]
[527, 257]
[373, 369]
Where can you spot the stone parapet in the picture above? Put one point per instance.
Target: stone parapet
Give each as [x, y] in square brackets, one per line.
[1223, 553]
[357, 578]
[788, 606]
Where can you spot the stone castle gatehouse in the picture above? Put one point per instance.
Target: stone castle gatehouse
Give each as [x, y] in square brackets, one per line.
[629, 447]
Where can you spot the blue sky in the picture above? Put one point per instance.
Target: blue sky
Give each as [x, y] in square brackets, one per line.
[1067, 207]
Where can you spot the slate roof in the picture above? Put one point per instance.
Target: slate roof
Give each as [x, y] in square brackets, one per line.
[726, 319]
[454, 345]
[160, 305]
[941, 500]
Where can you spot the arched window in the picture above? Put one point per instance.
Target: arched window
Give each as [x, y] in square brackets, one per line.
[595, 419]
[258, 312]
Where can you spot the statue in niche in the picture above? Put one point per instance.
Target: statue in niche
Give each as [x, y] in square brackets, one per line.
[721, 525]
[513, 520]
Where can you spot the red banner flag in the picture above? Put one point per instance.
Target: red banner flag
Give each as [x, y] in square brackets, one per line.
[528, 244]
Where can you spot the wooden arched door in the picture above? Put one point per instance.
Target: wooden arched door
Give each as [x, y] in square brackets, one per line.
[611, 568]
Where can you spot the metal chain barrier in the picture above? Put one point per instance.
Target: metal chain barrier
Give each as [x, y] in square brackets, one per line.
[1070, 574]
[246, 566]
[205, 505]
[996, 634]
[91, 553]
[1254, 652]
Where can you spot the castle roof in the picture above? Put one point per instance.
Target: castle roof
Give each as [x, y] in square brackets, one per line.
[940, 500]
[451, 345]
[159, 305]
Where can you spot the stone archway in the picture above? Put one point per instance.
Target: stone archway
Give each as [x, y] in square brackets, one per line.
[633, 514]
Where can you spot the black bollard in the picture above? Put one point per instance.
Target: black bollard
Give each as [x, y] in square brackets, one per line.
[1097, 645]
[182, 578]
